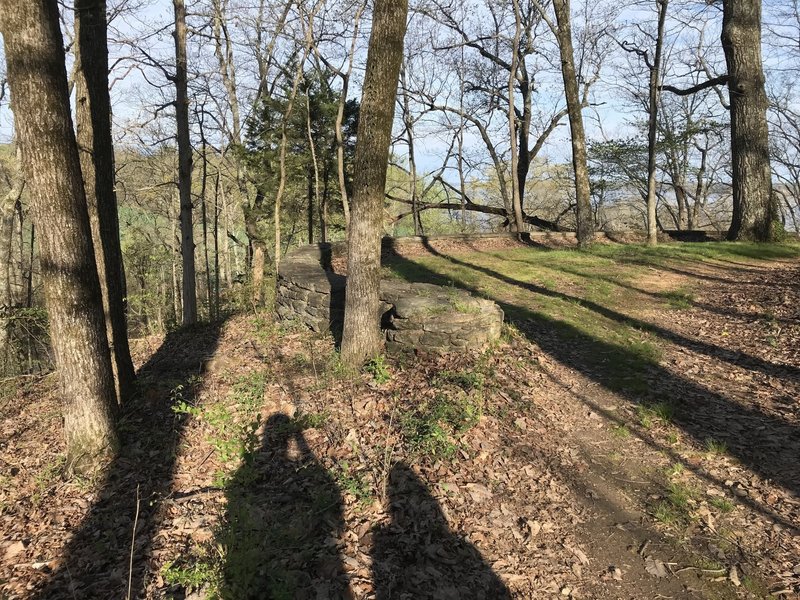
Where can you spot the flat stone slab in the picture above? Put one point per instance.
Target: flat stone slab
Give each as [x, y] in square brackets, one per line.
[415, 316]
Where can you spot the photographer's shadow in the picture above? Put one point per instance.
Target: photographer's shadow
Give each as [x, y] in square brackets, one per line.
[417, 556]
[283, 522]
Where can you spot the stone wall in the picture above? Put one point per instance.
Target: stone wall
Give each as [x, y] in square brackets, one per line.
[414, 315]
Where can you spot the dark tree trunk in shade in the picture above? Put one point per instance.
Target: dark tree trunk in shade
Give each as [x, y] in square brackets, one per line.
[585, 224]
[189, 286]
[38, 81]
[361, 336]
[754, 208]
[93, 125]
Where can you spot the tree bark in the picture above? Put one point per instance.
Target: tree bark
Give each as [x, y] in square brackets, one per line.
[96, 150]
[755, 213]
[652, 125]
[518, 183]
[189, 284]
[361, 337]
[585, 224]
[38, 82]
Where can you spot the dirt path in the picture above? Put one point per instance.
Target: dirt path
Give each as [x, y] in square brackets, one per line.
[710, 478]
[254, 466]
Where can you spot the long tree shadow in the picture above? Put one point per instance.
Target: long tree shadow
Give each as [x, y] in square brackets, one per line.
[283, 521]
[417, 556]
[733, 357]
[102, 559]
[723, 312]
[766, 444]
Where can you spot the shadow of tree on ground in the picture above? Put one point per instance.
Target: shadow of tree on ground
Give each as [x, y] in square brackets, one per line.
[284, 518]
[416, 555]
[766, 444]
[98, 562]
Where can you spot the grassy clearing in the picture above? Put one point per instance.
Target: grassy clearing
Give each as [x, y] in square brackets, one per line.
[587, 299]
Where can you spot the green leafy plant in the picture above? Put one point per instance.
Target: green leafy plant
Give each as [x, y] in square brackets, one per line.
[434, 427]
[379, 370]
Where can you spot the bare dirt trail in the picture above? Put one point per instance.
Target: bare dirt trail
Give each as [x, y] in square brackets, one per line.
[707, 482]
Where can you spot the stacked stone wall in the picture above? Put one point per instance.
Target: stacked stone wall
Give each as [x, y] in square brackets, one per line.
[415, 316]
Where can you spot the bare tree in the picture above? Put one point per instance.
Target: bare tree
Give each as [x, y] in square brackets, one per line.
[189, 286]
[93, 125]
[754, 207]
[38, 82]
[583, 209]
[361, 337]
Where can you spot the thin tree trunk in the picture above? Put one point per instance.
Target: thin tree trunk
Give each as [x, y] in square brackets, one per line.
[361, 337]
[408, 122]
[585, 222]
[652, 125]
[7, 210]
[216, 244]
[226, 248]
[314, 196]
[184, 166]
[340, 116]
[755, 211]
[93, 126]
[516, 192]
[37, 78]
[204, 219]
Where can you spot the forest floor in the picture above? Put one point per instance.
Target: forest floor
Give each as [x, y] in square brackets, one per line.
[636, 434]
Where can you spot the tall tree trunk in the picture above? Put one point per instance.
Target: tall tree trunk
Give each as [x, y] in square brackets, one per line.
[516, 185]
[313, 177]
[652, 125]
[585, 222]
[93, 125]
[361, 337]
[8, 207]
[37, 78]
[408, 122]
[755, 213]
[189, 285]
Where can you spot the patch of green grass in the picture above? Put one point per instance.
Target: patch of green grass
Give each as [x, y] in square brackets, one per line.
[353, 482]
[675, 470]
[433, 428]
[715, 447]
[191, 573]
[379, 369]
[248, 390]
[679, 299]
[722, 504]
[675, 508]
[666, 513]
[621, 432]
[302, 421]
[467, 380]
[650, 413]
[47, 476]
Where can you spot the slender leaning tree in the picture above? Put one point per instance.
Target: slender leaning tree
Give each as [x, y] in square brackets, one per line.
[93, 123]
[361, 337]
[37, 79]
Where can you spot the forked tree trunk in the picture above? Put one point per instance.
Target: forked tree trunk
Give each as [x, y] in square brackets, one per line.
[189, 285]
[755, 212]
[93, 124]
[585, 224]
[38, 81]
[361, 337]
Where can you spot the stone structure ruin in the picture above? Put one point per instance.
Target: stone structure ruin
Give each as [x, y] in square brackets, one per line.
[415, 316]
